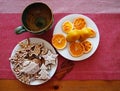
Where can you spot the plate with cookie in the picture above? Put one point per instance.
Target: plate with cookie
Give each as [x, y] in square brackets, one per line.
[76, 37]
[33, 61]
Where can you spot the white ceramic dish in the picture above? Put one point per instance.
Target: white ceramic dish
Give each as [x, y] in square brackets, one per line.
[46, 44]
[95, 41]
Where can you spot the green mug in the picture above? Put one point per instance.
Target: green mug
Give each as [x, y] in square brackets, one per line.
[36, 18]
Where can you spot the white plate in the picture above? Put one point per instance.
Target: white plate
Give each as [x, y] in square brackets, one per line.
[95, 41]
[46, 44]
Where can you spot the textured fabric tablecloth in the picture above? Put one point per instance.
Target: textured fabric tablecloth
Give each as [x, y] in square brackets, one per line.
[104, 64]
[64, 6]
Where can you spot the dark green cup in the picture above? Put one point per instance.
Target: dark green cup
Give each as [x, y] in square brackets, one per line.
[36, 18]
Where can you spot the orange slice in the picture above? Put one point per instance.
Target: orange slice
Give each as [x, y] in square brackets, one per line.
[87, 46]
[79, 23]
[67, 26]
[76, 49]
[59, 41]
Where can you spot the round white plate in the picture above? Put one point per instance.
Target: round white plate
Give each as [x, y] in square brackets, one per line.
[95, 41]
[46, 44]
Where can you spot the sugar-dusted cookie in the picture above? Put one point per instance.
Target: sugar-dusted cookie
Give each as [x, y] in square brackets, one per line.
[43, 73]
[43, 67]
[30, 67]
[49, 58]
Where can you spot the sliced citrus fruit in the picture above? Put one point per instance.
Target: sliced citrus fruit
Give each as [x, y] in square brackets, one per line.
[76, 49]
[89, 31]
[87, 46]
[59, 41]
[92, 33]
[73, 35]
[85, 33]
[67, 26]
[79, 23]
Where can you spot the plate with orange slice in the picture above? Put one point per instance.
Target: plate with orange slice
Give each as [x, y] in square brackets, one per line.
[75, 50]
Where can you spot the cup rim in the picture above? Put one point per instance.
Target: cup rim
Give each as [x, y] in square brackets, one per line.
[43, 29]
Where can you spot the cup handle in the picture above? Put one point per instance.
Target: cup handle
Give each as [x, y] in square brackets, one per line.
[20, 30]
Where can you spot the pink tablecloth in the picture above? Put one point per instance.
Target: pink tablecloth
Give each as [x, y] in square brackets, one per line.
[104, 64]
[64, 6]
